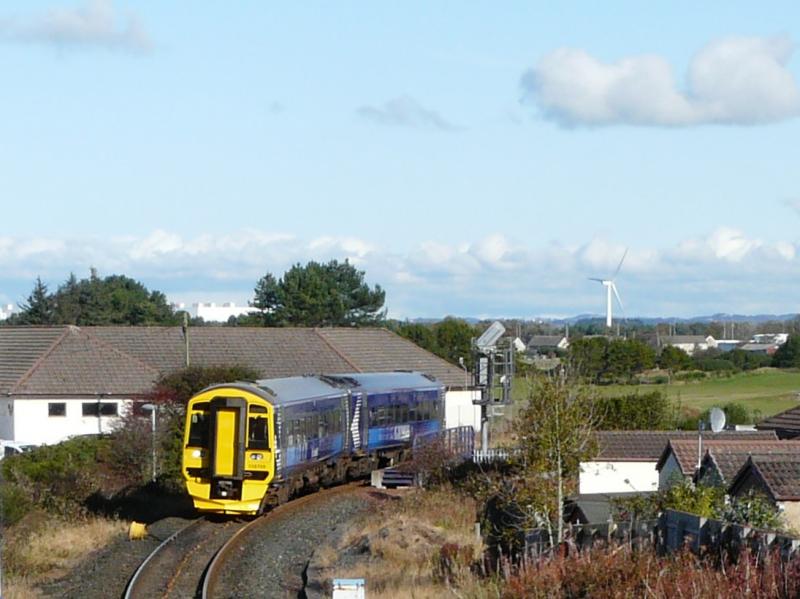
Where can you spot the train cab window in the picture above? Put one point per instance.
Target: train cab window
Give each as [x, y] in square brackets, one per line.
[257, 433]
[322, 426]
[198, 430]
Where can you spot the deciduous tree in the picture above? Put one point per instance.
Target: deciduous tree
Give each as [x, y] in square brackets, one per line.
[554, 433]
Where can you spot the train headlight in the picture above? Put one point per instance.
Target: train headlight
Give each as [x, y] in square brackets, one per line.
[197, 453]
[256, 456]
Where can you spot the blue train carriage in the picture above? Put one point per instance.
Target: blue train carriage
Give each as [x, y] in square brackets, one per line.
[399, 406]
[313, 437]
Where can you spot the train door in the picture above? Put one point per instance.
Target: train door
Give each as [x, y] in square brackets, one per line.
[228, 417]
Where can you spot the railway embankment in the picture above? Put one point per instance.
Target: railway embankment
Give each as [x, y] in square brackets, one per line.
[414, 542]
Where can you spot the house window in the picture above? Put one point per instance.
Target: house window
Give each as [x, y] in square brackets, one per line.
[103, 408]
[57, 408]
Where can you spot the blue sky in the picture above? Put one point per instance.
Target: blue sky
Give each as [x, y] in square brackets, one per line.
[472, 159]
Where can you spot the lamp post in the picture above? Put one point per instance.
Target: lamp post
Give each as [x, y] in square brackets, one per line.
[152, 408]
[466, 372]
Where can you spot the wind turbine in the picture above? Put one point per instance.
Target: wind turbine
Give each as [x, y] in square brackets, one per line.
[611, 288]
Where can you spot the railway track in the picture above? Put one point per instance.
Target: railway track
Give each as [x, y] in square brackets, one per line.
[192, 562]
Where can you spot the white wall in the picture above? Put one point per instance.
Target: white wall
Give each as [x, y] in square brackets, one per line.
[618, 477]
[6, 419]
[459, 411]
[32, 424]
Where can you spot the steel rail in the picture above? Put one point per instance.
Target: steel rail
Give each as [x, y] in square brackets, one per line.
[215, 566]
[130, 588]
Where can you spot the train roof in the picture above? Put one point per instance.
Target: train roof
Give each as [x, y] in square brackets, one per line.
[296, 388]
[284, 391]
[378, 381]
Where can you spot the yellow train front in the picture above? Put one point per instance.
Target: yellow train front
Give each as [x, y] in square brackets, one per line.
[229, 449]
[249, 446]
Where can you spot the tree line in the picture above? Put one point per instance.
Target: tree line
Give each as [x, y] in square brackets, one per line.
[601, 360]
[315, 294]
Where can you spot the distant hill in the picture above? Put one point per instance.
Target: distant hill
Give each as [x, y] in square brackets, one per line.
[582, 318]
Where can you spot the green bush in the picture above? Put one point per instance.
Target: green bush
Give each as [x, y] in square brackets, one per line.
[14, 503]
[59, 477]
[690, 375]
[635, 411]
[735, 413]
[715, 365]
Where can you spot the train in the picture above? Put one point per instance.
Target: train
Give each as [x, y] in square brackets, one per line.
[249, 446]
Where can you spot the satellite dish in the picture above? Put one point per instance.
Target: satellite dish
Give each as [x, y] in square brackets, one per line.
[717, 418]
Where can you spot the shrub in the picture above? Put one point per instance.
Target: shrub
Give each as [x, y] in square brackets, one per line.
[690, 375]
[735, 413]
[635, 411]
[59, 477]
[627, 572]
[14, 503]
[715, 365]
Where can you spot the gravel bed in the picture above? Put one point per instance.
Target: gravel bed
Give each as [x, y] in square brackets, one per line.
[273, 560]
[105, 572]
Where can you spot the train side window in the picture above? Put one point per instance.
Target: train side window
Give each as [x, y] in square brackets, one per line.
[198, 430]
[404, 413]
[257, 437]
[322, 427]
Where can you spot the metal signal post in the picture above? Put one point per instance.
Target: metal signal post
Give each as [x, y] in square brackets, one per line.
[493, 374]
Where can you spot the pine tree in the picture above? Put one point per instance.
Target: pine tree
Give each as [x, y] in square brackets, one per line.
[40, 307]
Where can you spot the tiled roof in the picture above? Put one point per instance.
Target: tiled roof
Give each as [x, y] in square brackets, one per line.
[685, 450]
[20, 348]
[779, 475]
[648, 446]
[273, 352]
[79, 363]
[379, 350]
[730, 457]
[89, 360]
[785, 424]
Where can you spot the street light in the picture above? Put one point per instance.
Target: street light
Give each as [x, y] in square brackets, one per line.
[152, 408]
[466, 372]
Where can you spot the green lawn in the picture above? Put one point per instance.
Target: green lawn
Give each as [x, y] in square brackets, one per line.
[767, 390]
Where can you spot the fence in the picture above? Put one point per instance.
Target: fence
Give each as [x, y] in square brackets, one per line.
[672, 531]
[457, 443]
[679, 529]
[492, 456]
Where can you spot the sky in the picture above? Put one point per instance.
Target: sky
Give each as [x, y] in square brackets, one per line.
[473, 158]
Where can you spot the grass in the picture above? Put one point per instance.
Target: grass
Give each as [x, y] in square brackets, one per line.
[401, 545]
[767, 390]
[41, 547]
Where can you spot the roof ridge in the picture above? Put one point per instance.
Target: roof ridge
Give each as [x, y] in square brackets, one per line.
[35, 366]
[336, 350]
[119, 351]
[411, 343]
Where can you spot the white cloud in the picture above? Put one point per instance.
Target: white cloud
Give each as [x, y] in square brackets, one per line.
[405, 111]
[725, 270]
[95, 24]
[735, 80]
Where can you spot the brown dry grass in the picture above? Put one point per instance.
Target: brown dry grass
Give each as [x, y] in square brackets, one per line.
[40, 548]
[399, 548]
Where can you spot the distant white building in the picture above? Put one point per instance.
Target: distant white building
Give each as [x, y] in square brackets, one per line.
[212, 312]
[770, 338]
[6, 311]
[690, 343]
